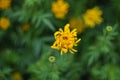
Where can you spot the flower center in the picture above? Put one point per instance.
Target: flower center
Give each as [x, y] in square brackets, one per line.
[65, 38]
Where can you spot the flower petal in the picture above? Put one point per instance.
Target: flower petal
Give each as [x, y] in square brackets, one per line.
[66, 29]
[78, 40]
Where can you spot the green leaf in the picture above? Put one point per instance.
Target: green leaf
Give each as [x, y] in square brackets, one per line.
[49, 24]
[36, 46]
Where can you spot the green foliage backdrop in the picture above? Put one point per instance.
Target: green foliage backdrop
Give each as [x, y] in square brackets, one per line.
[25, 46]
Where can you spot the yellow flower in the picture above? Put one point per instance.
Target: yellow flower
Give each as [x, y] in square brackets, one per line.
[65, 40]
[4, 23]
[78, 24]
[92, 17]
[60, 8]
[17, 76]
[5, 4]
[52, 58]
[25, 27]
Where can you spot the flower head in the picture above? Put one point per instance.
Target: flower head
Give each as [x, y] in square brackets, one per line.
[60, 8]
[52, 58]
[65, 40]
[5, 4]
[4, 23]
[78, 24]
[17, 76]
[92, 17]
[25, 27]
[109, 28]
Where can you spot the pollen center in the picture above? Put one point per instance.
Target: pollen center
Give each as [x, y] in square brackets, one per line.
[65, 38]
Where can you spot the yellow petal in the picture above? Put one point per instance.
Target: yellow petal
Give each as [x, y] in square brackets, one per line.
[78, 40]
[73, 31]
[60, 29]
[61, 52]
[57, 34]
[66, 29]
[54, 46]
[64, 50]
[73, 50]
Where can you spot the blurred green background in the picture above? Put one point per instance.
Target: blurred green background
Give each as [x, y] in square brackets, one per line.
[27, 30]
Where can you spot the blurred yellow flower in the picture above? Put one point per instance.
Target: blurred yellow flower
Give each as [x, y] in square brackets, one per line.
[92, 17]
[4, 23]
[60, 8]
[78, 24]
[65, 40]
[17, 76]
[25, 27]
[5, 4]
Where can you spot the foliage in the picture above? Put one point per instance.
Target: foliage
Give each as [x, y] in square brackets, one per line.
[27, 30]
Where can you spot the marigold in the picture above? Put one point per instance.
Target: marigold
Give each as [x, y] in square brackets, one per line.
[25, 27]
[5, 4]
[4, 23]
[17, 76]
[92, 17]
[65, 40]
[78, 24]
[60, 8]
